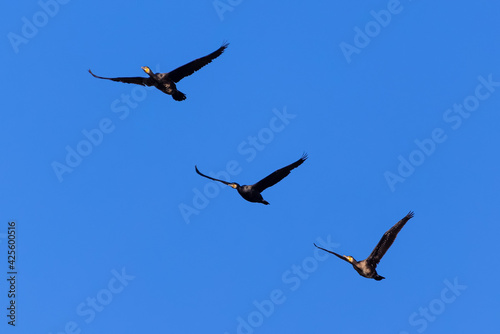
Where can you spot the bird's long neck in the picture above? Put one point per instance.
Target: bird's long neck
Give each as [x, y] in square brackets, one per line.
[148, 71]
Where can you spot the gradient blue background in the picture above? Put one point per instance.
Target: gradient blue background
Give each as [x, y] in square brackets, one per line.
[119, 208]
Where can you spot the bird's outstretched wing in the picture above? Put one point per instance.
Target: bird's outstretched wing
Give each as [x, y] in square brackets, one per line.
[278, 175]
[338, 255]
[387, 240]
[132, 80]
[211, 178]
[195, 65]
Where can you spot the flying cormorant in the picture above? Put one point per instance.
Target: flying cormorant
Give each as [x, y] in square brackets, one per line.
[166, 81]
[252, 193]
[366, 268]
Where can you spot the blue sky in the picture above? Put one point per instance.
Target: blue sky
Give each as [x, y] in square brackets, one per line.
[396, 103]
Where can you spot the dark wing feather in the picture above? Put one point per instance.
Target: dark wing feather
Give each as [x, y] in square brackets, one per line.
[132, 80]
[278, 175]
[338, 255]
[387, 240]
[195, 65]
[211, 178]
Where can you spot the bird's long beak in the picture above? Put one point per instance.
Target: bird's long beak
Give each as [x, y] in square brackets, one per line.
[233, 185]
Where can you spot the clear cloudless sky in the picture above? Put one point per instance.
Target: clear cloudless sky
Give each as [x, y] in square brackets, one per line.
[397, 104]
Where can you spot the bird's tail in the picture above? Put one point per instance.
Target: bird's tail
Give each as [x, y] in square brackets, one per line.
[265, 202]
[178, 96]
[379, 278]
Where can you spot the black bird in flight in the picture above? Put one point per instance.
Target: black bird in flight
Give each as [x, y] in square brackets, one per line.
[252, 193]
[166, 81]
[366, 268]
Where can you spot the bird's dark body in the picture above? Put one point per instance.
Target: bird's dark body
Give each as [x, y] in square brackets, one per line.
[248, 193]
[367, 267]
[167, 86]
[163, 83]
[166, 81]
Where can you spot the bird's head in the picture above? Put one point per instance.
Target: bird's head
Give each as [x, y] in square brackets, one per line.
[147, 70]
[233, 185]
[349, 258]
